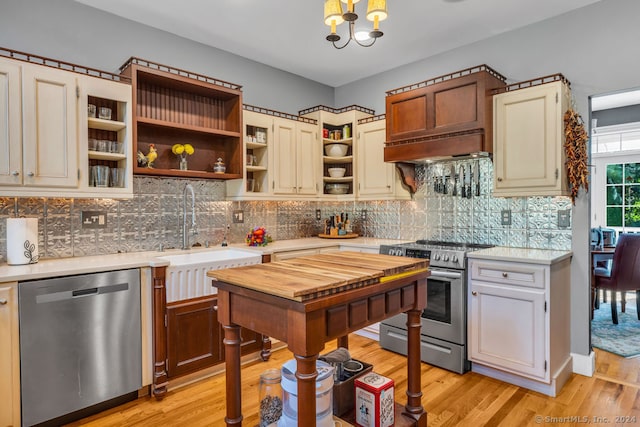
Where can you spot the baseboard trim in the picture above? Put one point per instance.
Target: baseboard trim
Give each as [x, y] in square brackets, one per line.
[551, 389]
[584, 364]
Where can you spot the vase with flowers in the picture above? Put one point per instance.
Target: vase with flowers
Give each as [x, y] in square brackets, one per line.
[182, 151]
[258, 236]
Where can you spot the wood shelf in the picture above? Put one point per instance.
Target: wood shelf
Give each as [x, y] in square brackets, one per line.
[185, 127]
[341, 179]
[326, 141]
[101, 155]
[175, 106]
[256, 169]
[254, 145]
[337, 160]
[184, 174]
[102, 124]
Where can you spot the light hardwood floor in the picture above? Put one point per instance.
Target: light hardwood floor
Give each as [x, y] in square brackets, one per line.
[450, 399]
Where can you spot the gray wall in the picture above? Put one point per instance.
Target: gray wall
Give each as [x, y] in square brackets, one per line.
[70, 31]
[616, 116]
[594, 47]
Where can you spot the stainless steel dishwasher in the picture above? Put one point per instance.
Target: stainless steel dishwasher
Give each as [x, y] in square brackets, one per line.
[80, 342]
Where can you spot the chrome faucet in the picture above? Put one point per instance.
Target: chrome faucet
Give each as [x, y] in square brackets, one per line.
[193, 230]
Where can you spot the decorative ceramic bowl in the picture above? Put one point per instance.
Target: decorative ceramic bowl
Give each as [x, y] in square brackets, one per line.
[336, 150]
[336, 172]
[337, 188]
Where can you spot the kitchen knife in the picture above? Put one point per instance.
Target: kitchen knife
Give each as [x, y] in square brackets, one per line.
[462, 181]
[454, 181]
[467, 181]
[477, 177]
[444, 182]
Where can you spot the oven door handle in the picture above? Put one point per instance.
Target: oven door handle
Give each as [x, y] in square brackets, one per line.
[445, 274]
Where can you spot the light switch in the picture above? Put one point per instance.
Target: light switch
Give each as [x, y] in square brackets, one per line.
[93, 219]
[238, 216]
[564, 218]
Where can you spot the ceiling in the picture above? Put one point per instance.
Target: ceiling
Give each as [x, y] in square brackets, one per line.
[290, 35]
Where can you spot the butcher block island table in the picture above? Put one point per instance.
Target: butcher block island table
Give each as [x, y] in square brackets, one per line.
[310, 300]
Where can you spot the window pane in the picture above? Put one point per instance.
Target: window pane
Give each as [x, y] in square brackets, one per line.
[631, 141]
[632, 173]
[614, 216]
[632, 195]
[632, 216]
[614, 174]
[614, 195]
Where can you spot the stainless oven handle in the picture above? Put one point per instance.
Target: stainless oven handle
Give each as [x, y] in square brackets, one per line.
[445, 274]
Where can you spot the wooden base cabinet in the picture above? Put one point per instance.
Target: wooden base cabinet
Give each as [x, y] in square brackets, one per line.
[519, 325]
[194, 336]
[528, 147]
[9, 356]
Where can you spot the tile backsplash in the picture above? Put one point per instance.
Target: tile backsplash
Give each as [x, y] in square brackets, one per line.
[154, 217]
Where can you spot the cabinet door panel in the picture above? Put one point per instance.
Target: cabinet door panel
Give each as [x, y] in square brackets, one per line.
[375, 177]
[193, 336]
[507, 329]
[307, 158]
[284, 161]
[9, 357]
[49, 123]
[10, 122]
[528, 141]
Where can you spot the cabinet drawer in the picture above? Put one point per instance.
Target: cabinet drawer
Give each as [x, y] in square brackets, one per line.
[517, 274]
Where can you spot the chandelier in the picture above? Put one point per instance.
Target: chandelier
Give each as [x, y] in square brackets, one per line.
[333, 16]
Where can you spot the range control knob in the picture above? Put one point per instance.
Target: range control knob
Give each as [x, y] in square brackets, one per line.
[445, 258]
[454, 258]
[436, 257]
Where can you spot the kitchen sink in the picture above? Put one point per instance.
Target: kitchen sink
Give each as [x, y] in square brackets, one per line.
[187, 278]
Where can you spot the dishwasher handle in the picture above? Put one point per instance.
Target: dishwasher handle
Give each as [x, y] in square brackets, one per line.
[82, 292]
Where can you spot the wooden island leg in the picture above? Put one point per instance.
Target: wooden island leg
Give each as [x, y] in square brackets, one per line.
[413, 408]
[232, 372]
[306, 374]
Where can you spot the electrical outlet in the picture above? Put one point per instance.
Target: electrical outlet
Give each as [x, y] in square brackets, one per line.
[505, 217]
[318, 214]
[363, 215]
[564, 218]
[93, 219]
[238, 216]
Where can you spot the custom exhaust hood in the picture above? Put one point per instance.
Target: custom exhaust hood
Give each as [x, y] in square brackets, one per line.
[447, 117]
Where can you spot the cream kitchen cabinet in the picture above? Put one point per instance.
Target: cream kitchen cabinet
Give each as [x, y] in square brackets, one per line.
[44, 110]
[117, 97]
[375, 179]
[9, 356]
[296, 161]
[39, 110]
[258, 144]
[528, 151]
[514, 306]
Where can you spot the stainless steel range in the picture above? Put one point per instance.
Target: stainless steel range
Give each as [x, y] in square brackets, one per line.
[444, 321]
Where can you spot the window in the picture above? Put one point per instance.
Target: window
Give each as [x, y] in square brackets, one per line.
[623, 195]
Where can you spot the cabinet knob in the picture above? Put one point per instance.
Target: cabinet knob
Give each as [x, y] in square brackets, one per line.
[3, 301]
[15, 173]
[474, 293]
[504, 274]
[499, 179]
[30, 174]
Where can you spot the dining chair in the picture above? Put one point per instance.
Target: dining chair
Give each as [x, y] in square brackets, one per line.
[624, 274]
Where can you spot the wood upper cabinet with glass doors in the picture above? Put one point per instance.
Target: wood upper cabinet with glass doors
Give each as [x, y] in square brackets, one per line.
[528, 151]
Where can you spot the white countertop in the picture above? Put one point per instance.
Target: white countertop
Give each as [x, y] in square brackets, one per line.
[533, 256]
[317, 242]
[97, 263]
